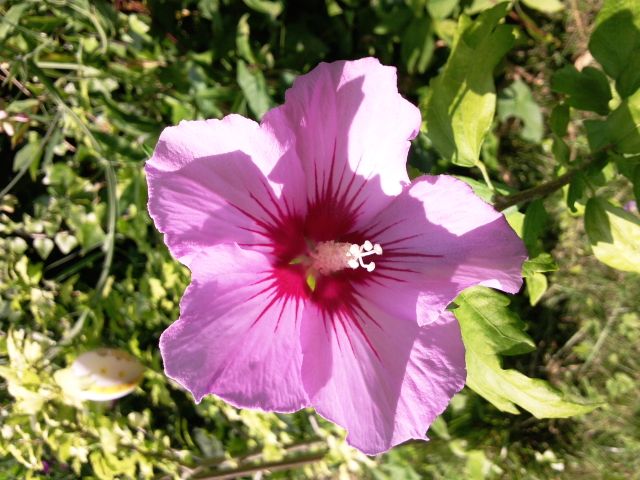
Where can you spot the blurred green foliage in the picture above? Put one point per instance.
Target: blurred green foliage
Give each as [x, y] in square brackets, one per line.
[87, 86]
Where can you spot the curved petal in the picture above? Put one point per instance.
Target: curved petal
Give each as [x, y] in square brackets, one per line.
[180, 145]
[237, 337]
[207, 185]
[439, 238]
[385, 380]
[352, 131]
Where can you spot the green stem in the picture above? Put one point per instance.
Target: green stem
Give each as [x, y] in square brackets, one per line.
[485, 175]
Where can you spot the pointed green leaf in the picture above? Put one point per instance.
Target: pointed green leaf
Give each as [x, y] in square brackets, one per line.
[11, 19]
[461, 102]
[27, 155]
[542, 263]
[254, 87]
[535, 221]
[619, 130]
[586, 90]
[507, 388]
[537, 284]
[273, 9]
[440, 9]
[614, 235]
[417, 45]
[559, 119]
[490, 328]
[615, 43]
[490, 324]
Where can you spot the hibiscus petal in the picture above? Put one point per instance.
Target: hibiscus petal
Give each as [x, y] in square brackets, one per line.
[384, 380]
[190, 140]
[236, 337]
[207, 185]
[352, 131]
[439, 238]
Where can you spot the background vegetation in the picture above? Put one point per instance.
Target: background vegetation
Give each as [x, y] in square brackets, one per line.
[87, 86]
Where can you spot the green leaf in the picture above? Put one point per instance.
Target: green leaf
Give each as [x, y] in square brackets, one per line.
[614, 235]
[636, 185]
[489, 328]
[440, 9]
[559, 119]
[537, 284]
[27, 155]
[273, 9]
[561, 151]
[65, 242]
[43, 246]
[535, 221]
[417, 45]
[615, 43]
[461, 102]
[546, 6]
[507, 388]
[254, 87]
[620, 129]
[587, 90]
[575, 191]
[542, 263]
[489, 323]
[243, 46]
[516, 101]
[483, 190]
[478, 465]
[11, 19]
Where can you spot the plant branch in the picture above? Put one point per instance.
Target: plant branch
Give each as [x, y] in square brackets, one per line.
[502, 203]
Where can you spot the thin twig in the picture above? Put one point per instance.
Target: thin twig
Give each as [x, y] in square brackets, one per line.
[14, 80]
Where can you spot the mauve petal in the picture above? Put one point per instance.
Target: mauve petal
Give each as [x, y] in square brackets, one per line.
[352, 132]
[236, 337]
[384, 383]
[439, 238]
[207, 185]
[190, 140]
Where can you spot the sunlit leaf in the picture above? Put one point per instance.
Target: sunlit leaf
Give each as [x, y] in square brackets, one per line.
[537, 285]
[546, 6]
[461, 103]
[614, 235]
[489, 324]
[489, 329]
[440, 9]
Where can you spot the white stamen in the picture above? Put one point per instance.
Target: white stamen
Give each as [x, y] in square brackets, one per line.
[358, 252]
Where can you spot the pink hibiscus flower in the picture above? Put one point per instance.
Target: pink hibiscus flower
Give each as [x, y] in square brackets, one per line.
[272, 218]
